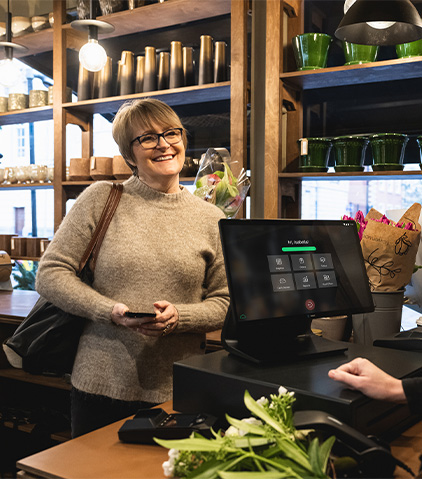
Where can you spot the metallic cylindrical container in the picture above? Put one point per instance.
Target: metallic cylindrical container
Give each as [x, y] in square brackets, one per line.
[17, 101]
[188, 69]
[127, 78]
[3, 104]
[38, 98]
[150, 77]
[68, 98]
[163, 70]
[220, 68]
[103, 80]
[119, 76]
[206, 60]
[140, 73]
[176, 65]
[84, 84]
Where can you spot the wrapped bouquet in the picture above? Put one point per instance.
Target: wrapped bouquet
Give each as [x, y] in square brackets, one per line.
[389, 248]
[219, 183]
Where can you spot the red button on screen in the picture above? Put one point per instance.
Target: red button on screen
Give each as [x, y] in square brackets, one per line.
[309, 304]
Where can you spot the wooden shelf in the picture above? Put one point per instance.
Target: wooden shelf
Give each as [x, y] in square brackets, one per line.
[412, 175]
[28, 115]
[36, 42]
[187, 179]
[127, 22]
[27, 186]
[162, 15]
[26, 258]
[173, 97]
[387, 70]
[20, 375]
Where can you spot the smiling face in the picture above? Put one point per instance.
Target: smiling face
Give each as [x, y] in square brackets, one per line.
[158, 167]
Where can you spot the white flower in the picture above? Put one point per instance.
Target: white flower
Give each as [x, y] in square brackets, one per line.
[282, 390]
[232, 431]
[168, 466]
[262, 401]
[174, 454]
[252, 420]
[168, 469]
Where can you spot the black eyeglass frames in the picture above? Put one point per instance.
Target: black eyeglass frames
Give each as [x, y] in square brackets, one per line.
[151, 140]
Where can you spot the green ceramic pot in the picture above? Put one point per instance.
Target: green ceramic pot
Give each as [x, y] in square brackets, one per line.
[349, 152]
[356, 54]
[407, 50]
[311, 50]
[419, 142]
[388, 151]
[314, 154]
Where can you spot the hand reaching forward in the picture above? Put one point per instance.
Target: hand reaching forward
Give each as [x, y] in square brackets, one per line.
[372, 381]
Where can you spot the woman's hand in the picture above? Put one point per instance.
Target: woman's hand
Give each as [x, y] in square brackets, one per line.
[118, 317]
[364, 376]
[165, 321]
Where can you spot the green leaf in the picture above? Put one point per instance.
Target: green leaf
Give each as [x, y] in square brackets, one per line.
[253, 475]
[245, 442]
[324, 452]
[247, 427]
[260, 412]
[210, 469]
[189, 444]
[292, 451]
[314, 457]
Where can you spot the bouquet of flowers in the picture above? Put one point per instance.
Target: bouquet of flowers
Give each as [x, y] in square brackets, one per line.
[267, 443]
[217, 183]
[389, 249]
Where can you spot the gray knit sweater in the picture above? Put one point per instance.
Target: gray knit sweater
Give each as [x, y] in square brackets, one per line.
[158, 247]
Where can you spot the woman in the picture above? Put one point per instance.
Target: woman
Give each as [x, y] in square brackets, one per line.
[161, 254]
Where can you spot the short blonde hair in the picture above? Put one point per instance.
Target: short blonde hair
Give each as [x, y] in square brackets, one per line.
[142, 114]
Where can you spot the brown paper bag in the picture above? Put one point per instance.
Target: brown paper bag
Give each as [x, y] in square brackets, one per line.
[389, 252]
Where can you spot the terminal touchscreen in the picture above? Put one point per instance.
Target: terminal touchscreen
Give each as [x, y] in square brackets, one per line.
[283, 273]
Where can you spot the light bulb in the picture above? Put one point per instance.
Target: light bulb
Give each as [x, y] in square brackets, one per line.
[377, 25]
[92, 56]
[9, 73]
[380, 25]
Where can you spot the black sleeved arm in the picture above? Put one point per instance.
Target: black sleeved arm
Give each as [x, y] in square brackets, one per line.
[413, 390]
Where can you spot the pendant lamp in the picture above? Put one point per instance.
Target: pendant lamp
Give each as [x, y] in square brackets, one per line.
[9, 71]
[92, 55]
[379, 22]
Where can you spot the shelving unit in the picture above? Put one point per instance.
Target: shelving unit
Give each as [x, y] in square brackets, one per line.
[287, 90]
[60, 40]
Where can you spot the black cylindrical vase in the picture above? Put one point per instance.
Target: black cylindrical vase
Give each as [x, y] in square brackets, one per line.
[188, 68]
[140, 73]
[150, 77]
[220, 68]
[163, 71]
[84, 84]
[127, 78]
[206, 74]
[176, 65]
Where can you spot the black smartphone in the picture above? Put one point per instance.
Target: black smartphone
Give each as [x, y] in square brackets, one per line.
[131, 314]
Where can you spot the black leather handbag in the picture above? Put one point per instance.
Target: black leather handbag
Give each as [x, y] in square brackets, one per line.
[47, 339]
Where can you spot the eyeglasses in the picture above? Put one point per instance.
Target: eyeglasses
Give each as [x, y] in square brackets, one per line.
[151, 140]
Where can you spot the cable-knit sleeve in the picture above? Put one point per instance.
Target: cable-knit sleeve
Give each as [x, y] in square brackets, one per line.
[56, 279]
[209, 314]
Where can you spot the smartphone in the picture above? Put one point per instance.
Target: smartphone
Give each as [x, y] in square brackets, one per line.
[130, 314]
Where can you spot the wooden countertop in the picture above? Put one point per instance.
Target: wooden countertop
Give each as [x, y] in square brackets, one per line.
[15, 305]
[100, 454]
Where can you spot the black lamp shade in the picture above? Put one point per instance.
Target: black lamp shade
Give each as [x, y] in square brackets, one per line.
[354, 27]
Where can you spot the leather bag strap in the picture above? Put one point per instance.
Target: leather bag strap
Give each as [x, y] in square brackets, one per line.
[94, 245]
